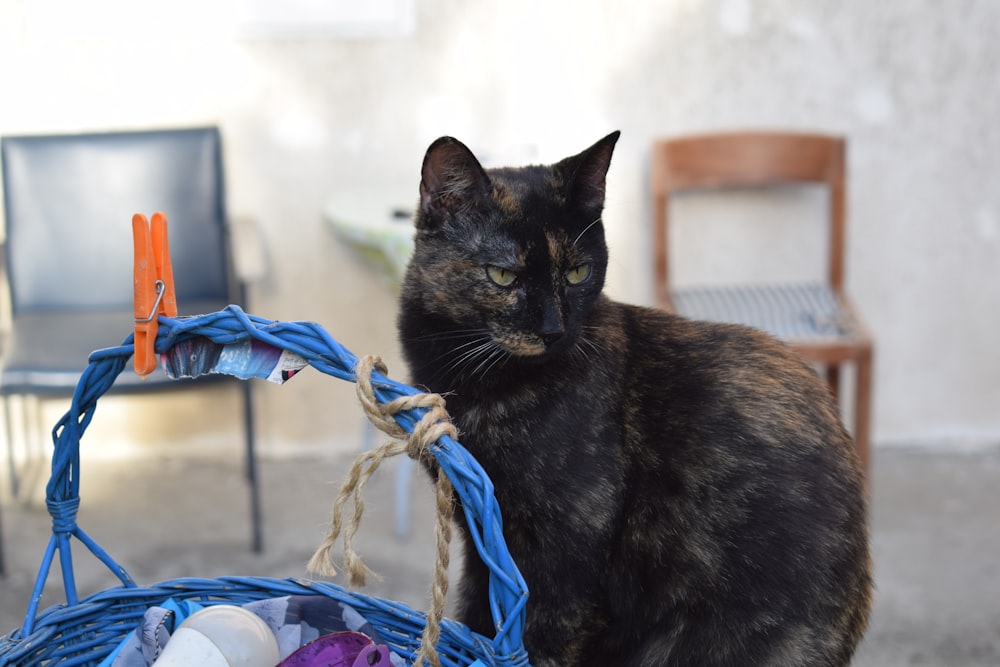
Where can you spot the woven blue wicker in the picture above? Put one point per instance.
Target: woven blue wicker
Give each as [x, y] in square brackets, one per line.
[84, 631]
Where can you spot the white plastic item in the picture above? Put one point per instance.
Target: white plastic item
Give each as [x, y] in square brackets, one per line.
[221, 636]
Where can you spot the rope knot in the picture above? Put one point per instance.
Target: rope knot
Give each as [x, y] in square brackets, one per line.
[431, 426]
[434, 424]
[63, 514]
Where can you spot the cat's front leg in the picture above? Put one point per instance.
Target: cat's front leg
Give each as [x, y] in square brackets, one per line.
[559, 631]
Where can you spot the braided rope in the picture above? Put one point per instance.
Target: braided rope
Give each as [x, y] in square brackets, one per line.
[431, 427]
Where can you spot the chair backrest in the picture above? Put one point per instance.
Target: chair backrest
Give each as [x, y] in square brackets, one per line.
[746, 159]
[69, 201]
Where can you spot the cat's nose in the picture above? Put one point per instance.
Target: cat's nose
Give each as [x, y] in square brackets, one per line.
[550, 337]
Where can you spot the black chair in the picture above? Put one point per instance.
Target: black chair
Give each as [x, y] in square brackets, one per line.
[69, 202]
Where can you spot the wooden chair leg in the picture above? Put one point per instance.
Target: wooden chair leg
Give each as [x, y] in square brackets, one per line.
[862, 408]
[833, 379]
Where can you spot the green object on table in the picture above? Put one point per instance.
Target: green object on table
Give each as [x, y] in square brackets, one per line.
[376, 229]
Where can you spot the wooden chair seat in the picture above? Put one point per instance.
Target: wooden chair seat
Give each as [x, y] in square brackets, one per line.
[802, 312]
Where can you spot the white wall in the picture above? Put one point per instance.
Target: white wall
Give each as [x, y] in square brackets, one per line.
[912, 83]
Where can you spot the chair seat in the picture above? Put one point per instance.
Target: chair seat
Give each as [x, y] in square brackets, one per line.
[39, 359]
[801, 312]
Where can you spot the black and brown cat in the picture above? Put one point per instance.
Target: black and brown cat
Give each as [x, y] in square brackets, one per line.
[674, 492]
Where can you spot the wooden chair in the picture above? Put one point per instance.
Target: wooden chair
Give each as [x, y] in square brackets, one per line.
[816, 320]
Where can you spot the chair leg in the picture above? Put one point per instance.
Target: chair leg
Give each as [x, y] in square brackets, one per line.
[15, 482]
[404, 475]
[32, 447]
[3, 564]
[253, 480]
[40, 452]
[862, 409]
[833, 379]
[12, 472]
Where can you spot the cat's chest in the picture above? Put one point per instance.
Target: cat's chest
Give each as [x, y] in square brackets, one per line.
[547, 431]
[493, 422]
[553, 460]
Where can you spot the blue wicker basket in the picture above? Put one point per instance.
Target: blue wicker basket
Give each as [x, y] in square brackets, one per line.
[84, 631]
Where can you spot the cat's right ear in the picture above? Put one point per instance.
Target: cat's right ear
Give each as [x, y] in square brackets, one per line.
[451, 181]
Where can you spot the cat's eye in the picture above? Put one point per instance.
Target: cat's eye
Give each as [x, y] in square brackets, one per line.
[578, 274]
[501, 277]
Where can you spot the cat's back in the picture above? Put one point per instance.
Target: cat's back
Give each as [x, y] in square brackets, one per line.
[713, 371]
[730, 397]
[735, 446]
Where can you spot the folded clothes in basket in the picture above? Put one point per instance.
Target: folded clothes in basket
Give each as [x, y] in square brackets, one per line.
[295, 620]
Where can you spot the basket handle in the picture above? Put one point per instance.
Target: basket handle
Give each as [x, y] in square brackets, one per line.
[508, 591]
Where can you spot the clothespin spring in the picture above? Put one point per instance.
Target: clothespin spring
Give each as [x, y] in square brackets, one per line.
[160, 287]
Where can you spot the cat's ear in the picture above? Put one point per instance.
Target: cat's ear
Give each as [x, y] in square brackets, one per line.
[586, 173]
[451, 180]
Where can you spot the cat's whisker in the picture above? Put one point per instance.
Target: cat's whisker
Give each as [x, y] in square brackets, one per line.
[457, 354]
[585, 230]
[592, 345]
[496, 355]
[462, 357]
[463, 348]
[578, 351]
[448, 335]
[463, 362]
[585, 343]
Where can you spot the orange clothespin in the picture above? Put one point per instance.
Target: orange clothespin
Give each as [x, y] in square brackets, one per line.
[153, 286]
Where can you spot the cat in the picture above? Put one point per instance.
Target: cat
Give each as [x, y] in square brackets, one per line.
[674, 492]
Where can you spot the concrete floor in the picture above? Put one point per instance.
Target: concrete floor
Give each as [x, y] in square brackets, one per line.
[936, 541]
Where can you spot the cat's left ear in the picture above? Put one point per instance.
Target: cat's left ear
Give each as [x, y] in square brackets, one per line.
[451, 180]
[586, 174]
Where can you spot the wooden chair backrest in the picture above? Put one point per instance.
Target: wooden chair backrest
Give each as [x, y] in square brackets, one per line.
[746, 159]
